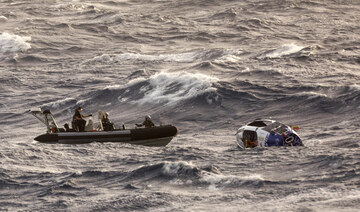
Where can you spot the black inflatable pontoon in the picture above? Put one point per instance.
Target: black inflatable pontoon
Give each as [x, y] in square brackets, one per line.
[154, 136]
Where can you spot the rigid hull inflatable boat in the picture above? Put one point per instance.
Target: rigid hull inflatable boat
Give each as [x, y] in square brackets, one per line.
[266, 132]
[154, 136]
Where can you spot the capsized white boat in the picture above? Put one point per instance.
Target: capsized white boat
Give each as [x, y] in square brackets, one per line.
[266, 132]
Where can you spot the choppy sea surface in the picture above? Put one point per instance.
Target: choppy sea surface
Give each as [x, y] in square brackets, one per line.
[205, 66]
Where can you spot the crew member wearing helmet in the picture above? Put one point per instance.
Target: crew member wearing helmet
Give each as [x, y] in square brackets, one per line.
[147, 123]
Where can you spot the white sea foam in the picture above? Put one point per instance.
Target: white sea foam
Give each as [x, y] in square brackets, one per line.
[284, 50]
[325, 199]
[218, 55]
[113, 87]
[10, 43]
[129, 84]
[58, 103]
[172, 168]
[228, 58]
[3, 18]
[355, 87]
[312, 94]
[229, 180]
[214, 180]
[181, 57]
[169, 88]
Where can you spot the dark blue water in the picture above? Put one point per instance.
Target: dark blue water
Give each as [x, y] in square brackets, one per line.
[207, 67]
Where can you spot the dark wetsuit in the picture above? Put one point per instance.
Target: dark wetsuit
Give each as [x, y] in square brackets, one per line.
[79, 123]
[107, 125]
[148, 123]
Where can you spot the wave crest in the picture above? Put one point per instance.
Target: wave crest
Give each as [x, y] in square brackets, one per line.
[170, 88]
[284, 50]
[10, 43]
[185, 57]
[186, 173]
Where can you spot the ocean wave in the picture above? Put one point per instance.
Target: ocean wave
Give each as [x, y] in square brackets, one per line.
[112, 58]
[59, 103]
[170, 171]
[3, 18]
[228, 59]
[170, 88]
[284, 50]
[355, 87]
[70, 7]
[186, 173]
[224, 63]
[228, 14]
[166, 88]
[10, 43]
[29, 59]
[186, 57]
[312, 94]
[148, 91]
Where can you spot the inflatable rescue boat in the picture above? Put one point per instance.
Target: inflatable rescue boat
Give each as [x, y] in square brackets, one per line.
[266, 132]
[154, 136]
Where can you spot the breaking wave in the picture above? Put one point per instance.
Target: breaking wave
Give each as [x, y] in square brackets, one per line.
[186, 57]
[59, 103]
[110, 58]
[3, 18]
[186, 173]
[10, 43]
[284, 50]
[206, 67]
[174, 87]
[163, 88]
[166, 88]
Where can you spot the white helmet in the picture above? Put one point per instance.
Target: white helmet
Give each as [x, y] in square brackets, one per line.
[147, 117]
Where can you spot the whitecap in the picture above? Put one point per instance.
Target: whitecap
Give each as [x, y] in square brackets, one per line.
[58, 103]
[228, 59]
[312, 94]
[355, 87]
[181, 171]
[220, 180]
[186, 57]
[172, 168]
[181, 57]
[3, 18]
[10, 43]
[169, 88]
[282, 51]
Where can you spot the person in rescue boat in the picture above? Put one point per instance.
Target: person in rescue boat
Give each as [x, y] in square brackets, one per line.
[78, 120]
[147, 123]
[108, 126]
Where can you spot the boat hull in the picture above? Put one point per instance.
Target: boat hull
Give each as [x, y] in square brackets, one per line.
[266, 132]
[156, 136]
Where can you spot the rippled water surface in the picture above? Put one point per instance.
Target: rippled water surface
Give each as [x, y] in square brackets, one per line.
[207, 67]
